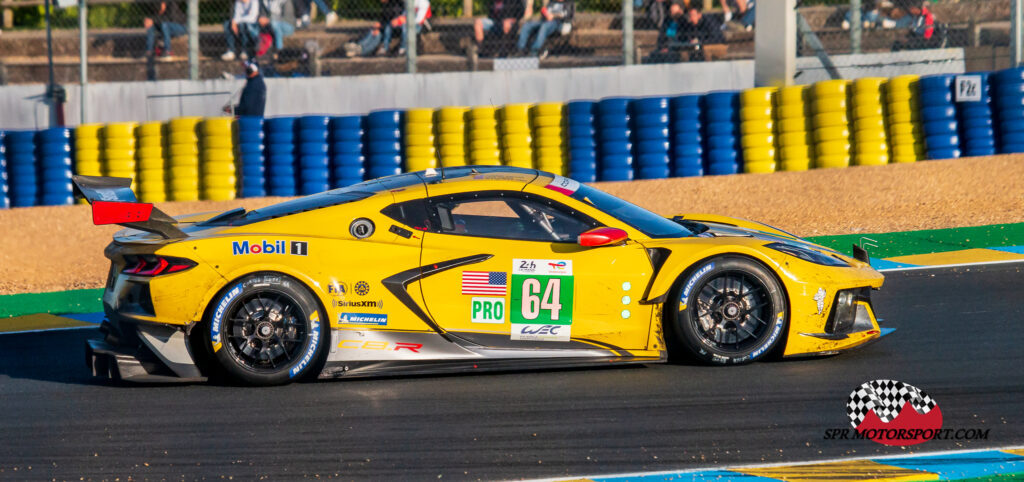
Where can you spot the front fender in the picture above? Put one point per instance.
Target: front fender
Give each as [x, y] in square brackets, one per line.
[681, 259]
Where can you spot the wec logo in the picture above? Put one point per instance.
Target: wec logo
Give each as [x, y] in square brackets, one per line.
[297, 248]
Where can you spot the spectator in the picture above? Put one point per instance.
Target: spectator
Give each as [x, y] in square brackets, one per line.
[167, 20]
[422, 11]
[501, 19]
[869, 16]
[741, 11]
[924, 31]
[378, 40]
[253, 100]
[556, 15]
[243, 28]
[302, 8]
[280, 22]
[696, 29]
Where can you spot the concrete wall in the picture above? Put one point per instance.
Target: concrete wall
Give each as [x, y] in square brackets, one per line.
[22, 106]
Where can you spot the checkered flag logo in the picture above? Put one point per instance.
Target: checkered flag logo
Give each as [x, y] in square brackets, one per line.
[886, 398]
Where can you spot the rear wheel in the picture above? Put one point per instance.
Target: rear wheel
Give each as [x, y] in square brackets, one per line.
[267, 329]
[727, 310]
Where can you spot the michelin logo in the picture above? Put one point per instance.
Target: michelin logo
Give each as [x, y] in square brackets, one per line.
[363, 319]
[693, 279]
[314, 342]
[219, 314]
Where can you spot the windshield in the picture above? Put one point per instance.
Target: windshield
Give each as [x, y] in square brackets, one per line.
[647, 222]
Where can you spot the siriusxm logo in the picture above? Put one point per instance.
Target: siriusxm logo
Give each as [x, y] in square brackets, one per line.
[298, 248]
[363, 319]
[314, 342]
[693, 279]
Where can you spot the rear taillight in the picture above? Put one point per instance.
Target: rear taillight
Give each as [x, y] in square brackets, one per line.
[153, 265]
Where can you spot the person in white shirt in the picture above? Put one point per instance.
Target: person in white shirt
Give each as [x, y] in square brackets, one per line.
[243, 29]
[422, 14]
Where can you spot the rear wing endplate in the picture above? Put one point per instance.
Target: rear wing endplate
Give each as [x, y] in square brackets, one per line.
[114, 202]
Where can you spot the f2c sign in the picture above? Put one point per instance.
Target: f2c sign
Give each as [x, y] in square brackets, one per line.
[968, 88]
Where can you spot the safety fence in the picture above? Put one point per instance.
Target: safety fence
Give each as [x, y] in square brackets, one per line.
[833, 123]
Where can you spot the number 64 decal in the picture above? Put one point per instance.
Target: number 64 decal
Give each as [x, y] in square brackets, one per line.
[542, 299]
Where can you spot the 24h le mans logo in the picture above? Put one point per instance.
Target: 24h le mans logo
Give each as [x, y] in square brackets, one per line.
[893, 413]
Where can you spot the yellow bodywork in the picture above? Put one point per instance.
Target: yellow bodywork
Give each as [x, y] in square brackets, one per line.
[618, 295]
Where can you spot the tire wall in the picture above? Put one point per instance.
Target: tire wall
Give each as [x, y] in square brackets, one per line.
[828, 124]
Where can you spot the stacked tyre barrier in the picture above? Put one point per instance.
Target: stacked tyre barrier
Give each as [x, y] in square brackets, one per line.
[118, 141]
[451, 129]
[549, 146]
[280, 156]
[347, 161]
[651, 145]
[938, 111]
[420, 152]
[906, 136]
[384, 143]
[219, 180]
[483, 136]
[614, 148]
[22, 178]
[831, 122]
[183, 158]
[722, 133]
[757, 127]
[252, 181]
[5, 201]
[53, 151]
[314, 173]
[686, 141]
[870, 141]
[151, 161]
[1009, 89]
[582, 140]
[977, 132]
[795, 134]
[516, 140]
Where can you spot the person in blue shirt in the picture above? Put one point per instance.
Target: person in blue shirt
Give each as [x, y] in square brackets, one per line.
[253, 100]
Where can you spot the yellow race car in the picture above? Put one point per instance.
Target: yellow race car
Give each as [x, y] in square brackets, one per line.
[457, 270]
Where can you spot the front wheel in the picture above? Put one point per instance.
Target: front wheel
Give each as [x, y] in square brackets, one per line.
[267, 329]
[727, 310]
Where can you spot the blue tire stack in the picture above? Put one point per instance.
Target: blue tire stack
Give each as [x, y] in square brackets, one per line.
[280, 155]
[1009, 102]
[250, 148]
[4, 200]
[53, 147]
[977, 132]
[938, 113]
[615, 151]
[650, 121]
[685, 131]
[721, 123]
[582, 140]
[348, 166]
[22, 177]
[314, 174]
[383, 143]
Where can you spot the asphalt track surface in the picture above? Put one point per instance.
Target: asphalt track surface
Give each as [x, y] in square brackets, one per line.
[958, 337]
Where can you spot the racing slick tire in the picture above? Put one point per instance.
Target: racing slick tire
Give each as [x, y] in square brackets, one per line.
[266, 329]
[727, 310]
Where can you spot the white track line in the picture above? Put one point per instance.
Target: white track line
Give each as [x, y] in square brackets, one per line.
[958, 265]
[47, 329]
[779, 464]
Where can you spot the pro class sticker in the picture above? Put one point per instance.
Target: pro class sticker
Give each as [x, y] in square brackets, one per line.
[487, 310]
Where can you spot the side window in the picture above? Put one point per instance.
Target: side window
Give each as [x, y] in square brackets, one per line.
[511, 215]
[410, 213]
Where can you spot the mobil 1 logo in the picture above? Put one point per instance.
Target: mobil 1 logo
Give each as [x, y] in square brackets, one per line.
[542, 294]
[487, 310]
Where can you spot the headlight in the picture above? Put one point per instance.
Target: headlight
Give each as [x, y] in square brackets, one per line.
[808, 255]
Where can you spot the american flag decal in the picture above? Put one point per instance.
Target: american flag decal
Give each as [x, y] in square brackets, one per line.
[491, 283]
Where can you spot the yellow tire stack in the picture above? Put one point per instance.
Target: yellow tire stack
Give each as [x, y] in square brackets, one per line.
[906, 135]
[119, 150]
[516, 141]
[87, 151]
[451, 138]
[549, 145]
[795, 138]
[757, 128]
[831, 124]
[483, 137]
[218, 178]
[420, 152]
[183, 152]
[151, 162]
[870, 144]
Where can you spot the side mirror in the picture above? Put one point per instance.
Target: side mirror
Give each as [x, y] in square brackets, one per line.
[603, 236]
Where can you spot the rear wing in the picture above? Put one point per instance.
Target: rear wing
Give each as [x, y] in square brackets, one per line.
[113, 202]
